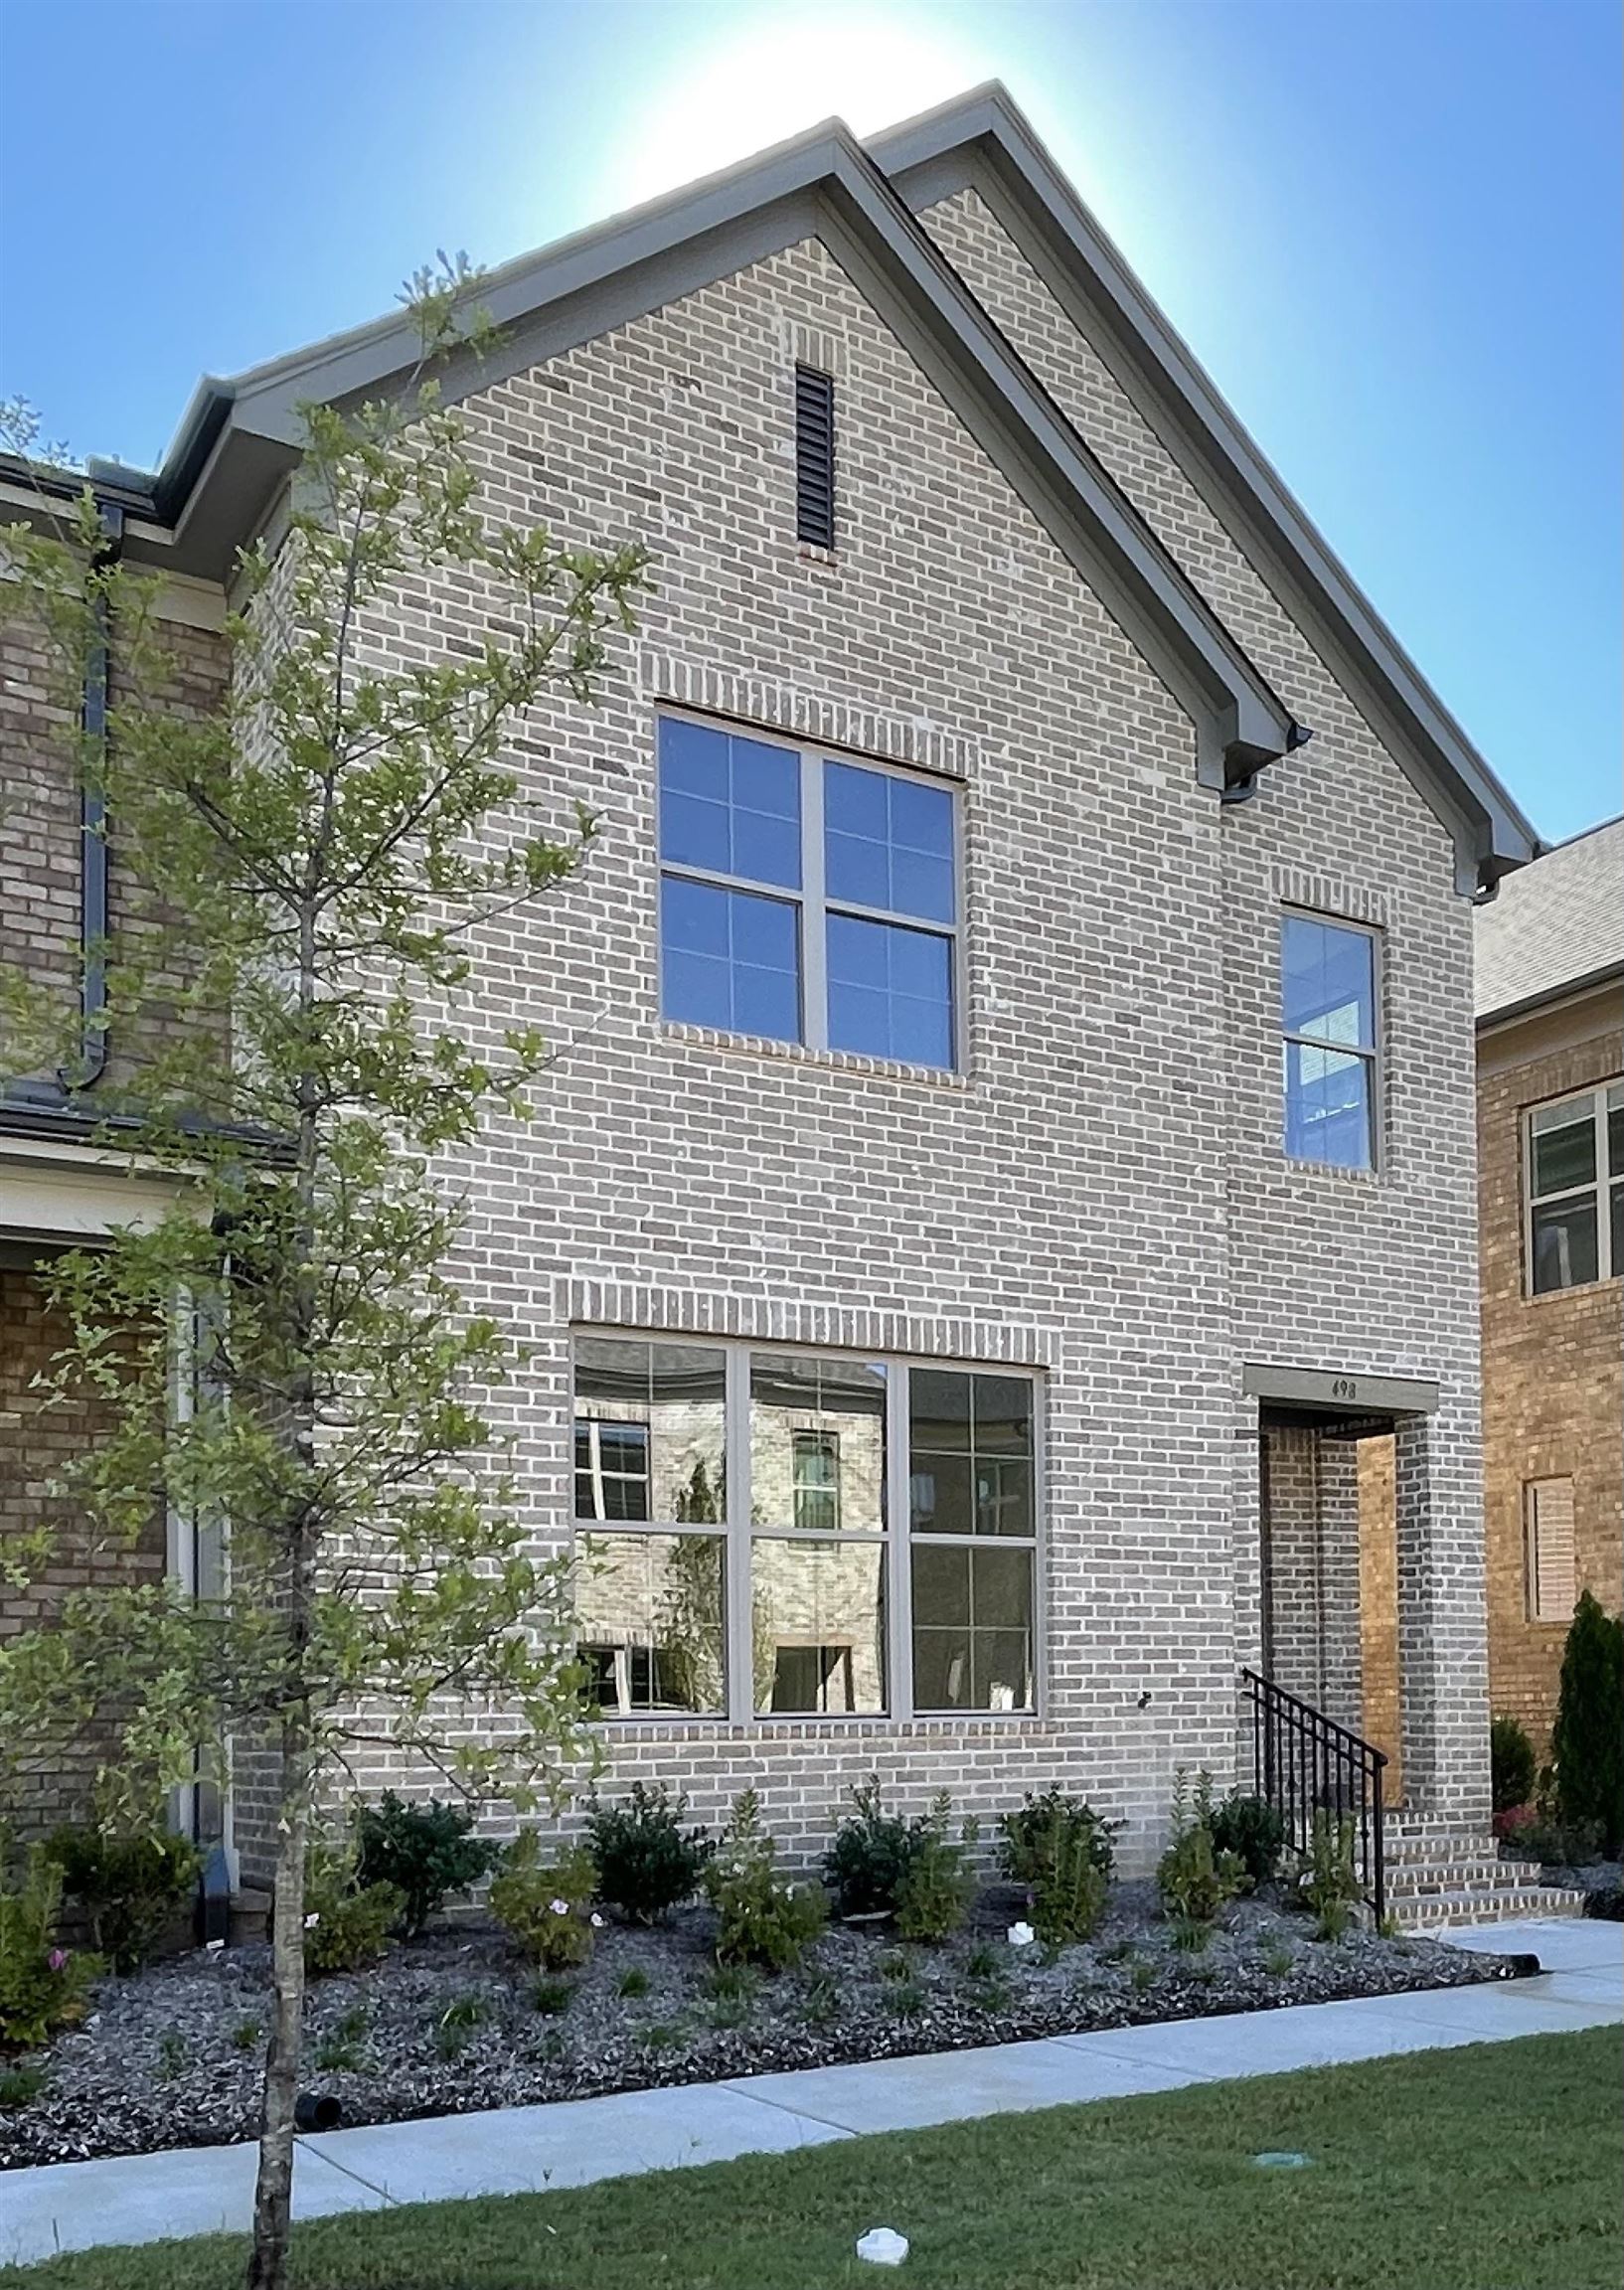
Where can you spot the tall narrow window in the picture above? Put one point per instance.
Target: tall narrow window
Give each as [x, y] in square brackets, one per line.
[1328, 1018]
[1551, 1567]
[814, 458]
[807, 899]
[973, 1540]
[1575, 1190]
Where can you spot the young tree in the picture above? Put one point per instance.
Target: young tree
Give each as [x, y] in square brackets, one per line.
[313, 860]
[1589, 1738]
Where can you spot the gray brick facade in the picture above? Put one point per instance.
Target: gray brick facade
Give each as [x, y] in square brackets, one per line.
[1099, 1195]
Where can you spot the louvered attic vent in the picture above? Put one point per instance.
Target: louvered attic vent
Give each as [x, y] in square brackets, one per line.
[814, 458]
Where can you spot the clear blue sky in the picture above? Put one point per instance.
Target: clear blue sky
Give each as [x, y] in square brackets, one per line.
[1389, 230]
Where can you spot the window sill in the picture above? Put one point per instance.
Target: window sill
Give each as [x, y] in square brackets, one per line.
[1333, 1171]
[1580, 1289]
[787, 1728]
[798, 1053]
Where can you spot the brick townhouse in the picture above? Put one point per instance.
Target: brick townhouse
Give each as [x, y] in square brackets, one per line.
[1015, 1153]
[1551, 1180]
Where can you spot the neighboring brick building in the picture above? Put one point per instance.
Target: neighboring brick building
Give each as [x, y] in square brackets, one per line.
[1550, 970]
[1018, 1109]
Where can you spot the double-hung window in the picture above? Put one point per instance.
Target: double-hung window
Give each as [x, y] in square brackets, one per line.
[765, 1532]
[1575, 1163]
[1328, 1023]
[807, 899]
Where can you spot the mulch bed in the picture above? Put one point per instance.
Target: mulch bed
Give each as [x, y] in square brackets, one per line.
[456, 2021]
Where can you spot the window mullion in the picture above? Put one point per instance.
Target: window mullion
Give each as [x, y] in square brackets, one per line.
[901, 1558]
[814, 929]
[737, 1436]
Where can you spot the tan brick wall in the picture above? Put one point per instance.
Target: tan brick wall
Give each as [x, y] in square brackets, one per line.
[1553, 1374]
[35, 1443]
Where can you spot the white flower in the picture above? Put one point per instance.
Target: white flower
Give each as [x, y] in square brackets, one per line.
[312, 1920]
[560, 1908]
[1021, 1935]
[598, 1919]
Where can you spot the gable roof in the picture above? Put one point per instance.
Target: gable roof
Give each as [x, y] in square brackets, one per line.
[983, 141]
[1555, 929]
[239, 436]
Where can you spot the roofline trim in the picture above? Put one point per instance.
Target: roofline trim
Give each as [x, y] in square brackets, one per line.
[1556, 996]
[983, 140]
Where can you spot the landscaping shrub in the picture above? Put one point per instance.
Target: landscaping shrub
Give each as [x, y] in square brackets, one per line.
[1328, 1885]
[870, 1855]
[43, 1986]
[346, 1924]
[1554, 1843]
[760, 1918]
[1253, 1829]
[1512, 1764]
[646, 1860]
[546, 1906]
[1195, 1877]
[1061, 1849]
[424, 1850]
[1607, 1902]
[939, 1883]
[1589, 1739]
[131, 1886]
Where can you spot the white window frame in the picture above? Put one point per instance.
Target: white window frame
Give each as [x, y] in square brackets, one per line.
[739, 1532]
[1373, 1053]
[1601, 1095]
[812, 903]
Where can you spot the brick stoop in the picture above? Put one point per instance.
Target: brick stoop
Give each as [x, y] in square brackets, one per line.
[1438, 1876]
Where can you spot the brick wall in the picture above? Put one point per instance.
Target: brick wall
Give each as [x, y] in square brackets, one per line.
[1552, 1372]
[1101, 1192]
[36, 1444]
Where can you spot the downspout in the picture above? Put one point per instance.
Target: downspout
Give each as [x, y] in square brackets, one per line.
[92, 722]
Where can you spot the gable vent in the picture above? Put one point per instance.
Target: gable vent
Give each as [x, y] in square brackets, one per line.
[814, 458]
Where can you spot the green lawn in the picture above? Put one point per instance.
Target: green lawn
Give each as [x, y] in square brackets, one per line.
[1496, 2168]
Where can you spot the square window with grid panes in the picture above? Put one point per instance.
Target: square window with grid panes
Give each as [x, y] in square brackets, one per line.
[807, 899]
[739, 1552]
[1574, 1165]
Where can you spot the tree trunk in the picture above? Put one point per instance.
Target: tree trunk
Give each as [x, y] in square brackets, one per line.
[274, 2194]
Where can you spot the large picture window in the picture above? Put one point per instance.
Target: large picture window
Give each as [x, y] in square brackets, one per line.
[1328, 1023]
[1575, 1166]
[807, 899]
[762, 1533]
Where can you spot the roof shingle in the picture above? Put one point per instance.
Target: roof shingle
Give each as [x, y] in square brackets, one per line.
[1553, 924]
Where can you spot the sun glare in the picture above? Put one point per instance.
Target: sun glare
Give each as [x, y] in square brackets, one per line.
[769, 79]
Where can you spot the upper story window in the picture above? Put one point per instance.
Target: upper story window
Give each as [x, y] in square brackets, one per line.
[802, 1533]
[805, 898]
[1327, 1019]
[1574, 1167]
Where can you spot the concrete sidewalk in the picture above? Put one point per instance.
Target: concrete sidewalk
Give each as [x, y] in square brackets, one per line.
[520, 2150]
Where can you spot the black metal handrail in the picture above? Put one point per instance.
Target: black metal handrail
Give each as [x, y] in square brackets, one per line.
[1304, 1763]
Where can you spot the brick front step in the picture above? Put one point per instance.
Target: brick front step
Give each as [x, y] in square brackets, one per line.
[1409, 1877]
[1436, 1911]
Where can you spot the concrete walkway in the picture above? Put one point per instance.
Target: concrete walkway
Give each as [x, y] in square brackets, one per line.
[520, 2150]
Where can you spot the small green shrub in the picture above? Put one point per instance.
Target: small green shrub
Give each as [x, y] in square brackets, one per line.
[553, 1998]
[634, 1981]
[1328, 1885]
[1142, 1979]
[906, 2000]
[341, 2049]
[1191, 1936]
[663, 2036]
[762, 1918]
[427, 1850]
[1587, 1741]
[468, 2011]
[1250, 1829]
[1512, 1764]
[820, 2004]
[1554, 1843]
[982, 1962]
[1194, 1877]
[939, 1883]
[730, 1984]
[546, 1906]
[245, 2035]
[131, 1885]
[1061, 1850]
[20, 2087]
[172, 2055]
[43, 1986]
[346, 1924]
[871, 1855]
[1277, 1960]
[647, 1863]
